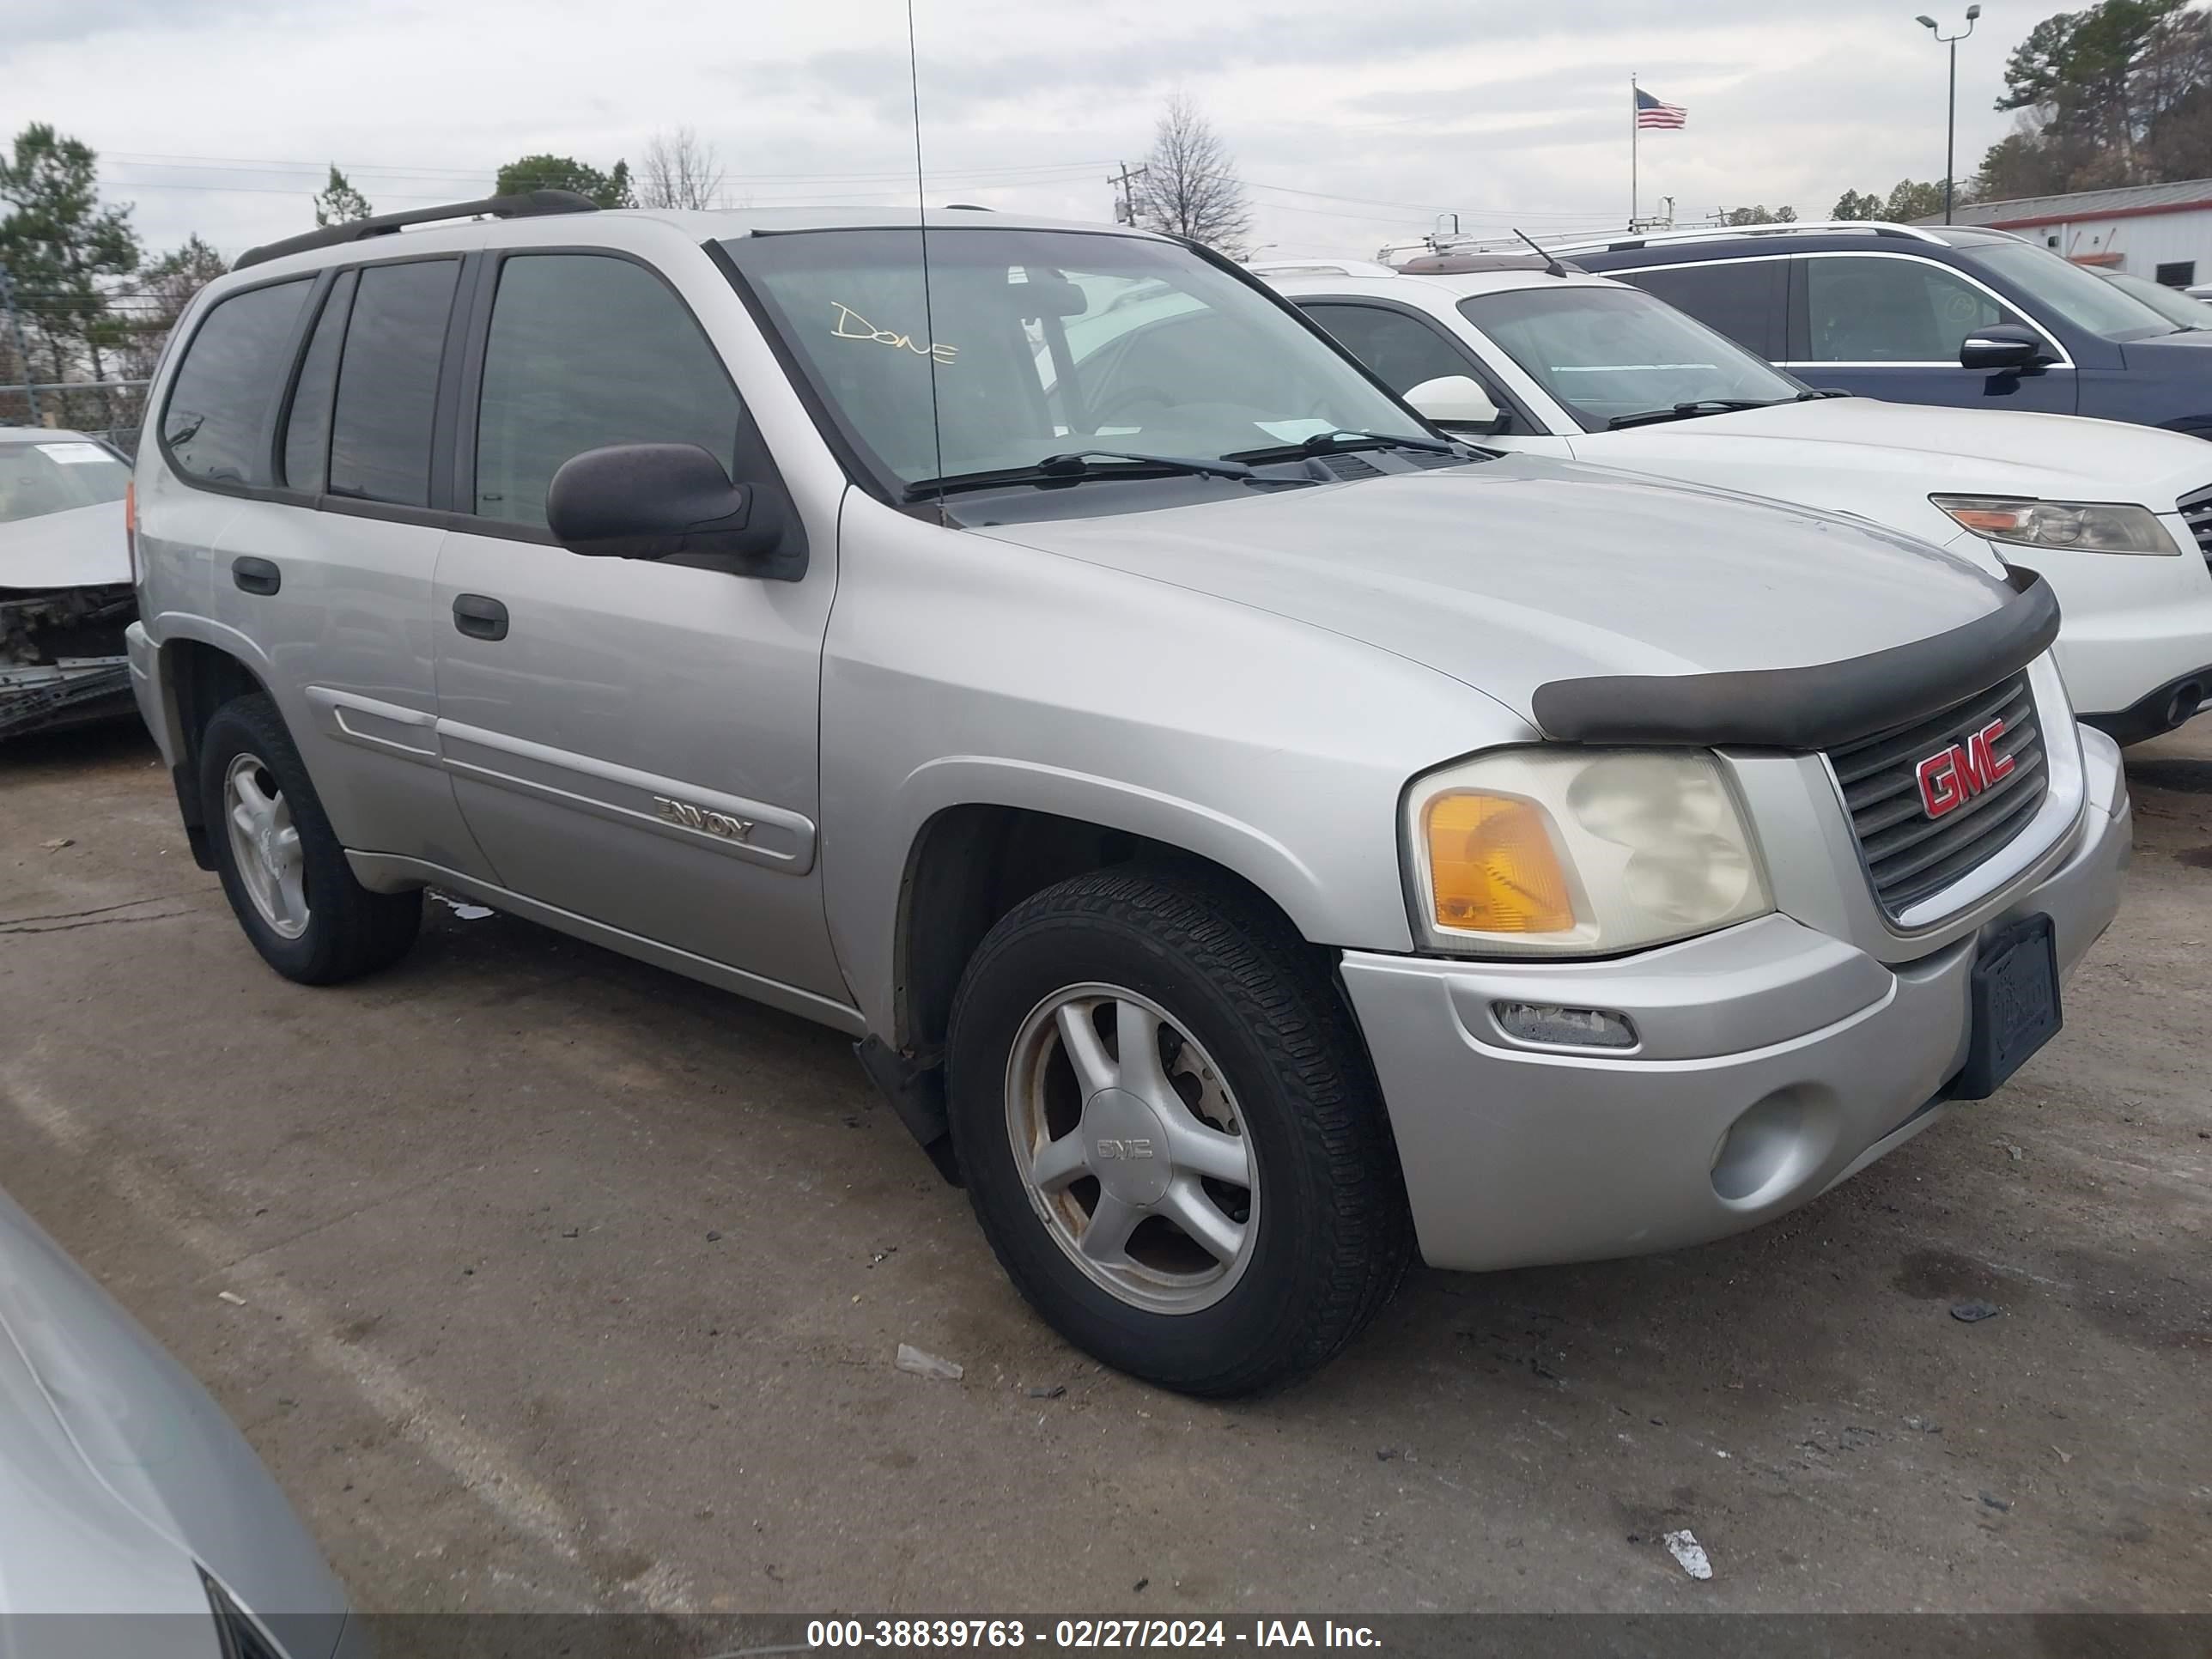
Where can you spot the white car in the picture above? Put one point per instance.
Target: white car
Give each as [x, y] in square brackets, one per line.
[1537, 356]
[65, 582]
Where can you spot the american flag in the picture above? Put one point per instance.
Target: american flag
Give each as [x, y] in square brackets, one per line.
[1650, 112]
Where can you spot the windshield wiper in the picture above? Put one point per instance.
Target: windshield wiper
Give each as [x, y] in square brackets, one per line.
[1336, 443]
[1693, 407]
[1819, 393]
[1074, 467]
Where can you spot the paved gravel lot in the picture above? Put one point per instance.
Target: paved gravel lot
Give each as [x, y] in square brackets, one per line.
[570, 1284]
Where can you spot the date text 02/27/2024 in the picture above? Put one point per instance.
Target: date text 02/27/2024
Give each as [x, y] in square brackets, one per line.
[1070, 1634]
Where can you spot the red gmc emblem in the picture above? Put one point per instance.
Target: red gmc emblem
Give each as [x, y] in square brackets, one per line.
[1951, 777]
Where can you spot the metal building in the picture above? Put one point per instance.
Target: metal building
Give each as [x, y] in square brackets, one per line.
[2161, 231]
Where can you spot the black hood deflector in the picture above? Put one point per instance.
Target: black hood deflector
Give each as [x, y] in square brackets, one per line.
[1818, 707]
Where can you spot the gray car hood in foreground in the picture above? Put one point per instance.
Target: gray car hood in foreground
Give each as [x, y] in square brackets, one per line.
[118, 1472]
[78, 547]
[1512, 573]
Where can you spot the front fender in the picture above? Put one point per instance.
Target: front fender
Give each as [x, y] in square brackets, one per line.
[964, 671]
[1196, 828]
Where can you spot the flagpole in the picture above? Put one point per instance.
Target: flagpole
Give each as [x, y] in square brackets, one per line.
[1633, 127]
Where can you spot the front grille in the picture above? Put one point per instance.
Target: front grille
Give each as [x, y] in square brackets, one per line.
[2198, 511]
[1910, 856]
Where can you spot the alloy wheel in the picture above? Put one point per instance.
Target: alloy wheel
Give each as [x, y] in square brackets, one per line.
[1129, 1142]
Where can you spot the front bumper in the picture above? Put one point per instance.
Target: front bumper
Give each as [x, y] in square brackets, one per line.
[1773, 1062]
[2160, 710]
[2133, 624]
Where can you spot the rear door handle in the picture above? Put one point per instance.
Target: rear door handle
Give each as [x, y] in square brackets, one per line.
[478, 618]
[256, 575]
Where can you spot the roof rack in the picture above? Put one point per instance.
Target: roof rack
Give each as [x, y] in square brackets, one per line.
[1319, 268]
[526, 205]
[1623, 241]
[1451, 263]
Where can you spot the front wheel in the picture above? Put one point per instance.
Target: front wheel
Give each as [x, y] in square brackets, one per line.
[282, 865]
[1169, 1132]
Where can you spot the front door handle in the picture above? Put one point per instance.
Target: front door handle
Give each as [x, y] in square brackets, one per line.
[255, 576]
[478, 618]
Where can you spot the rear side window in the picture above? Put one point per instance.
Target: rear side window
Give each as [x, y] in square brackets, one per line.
[1741, 298]
[1400, 351]
[307, 430]
[387, 390]
[585, 350]
[215, 426]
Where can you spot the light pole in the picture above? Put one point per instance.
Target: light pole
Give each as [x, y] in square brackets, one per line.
[1951, 109]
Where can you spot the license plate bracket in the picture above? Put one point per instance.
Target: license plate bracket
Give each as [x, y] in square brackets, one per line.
[2015, 1005]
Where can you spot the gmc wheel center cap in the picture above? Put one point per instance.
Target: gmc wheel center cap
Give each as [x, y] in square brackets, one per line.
[1129, 1147]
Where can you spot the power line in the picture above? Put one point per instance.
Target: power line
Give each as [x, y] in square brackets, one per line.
[238, 163]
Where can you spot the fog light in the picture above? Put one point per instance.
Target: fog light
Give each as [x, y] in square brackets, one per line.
[1567, 1028]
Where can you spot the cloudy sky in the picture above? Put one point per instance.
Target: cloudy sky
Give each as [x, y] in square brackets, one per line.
[1351, 123]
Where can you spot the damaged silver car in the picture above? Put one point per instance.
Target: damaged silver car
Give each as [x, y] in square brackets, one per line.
[66, 594]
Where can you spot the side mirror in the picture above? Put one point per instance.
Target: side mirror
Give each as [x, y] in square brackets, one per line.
[1455, 400]
[655, 501]
[2002, 345]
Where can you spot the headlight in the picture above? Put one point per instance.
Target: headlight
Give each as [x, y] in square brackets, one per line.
[1560, 852]
[2082, 526]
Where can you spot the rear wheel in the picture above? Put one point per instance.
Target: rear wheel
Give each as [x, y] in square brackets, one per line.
[1169, 1132]
[281, 867]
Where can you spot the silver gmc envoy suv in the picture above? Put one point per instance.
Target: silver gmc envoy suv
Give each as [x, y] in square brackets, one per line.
[1251, 837]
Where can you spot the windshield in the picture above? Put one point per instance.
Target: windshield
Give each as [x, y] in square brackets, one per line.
[1604, 353]
[2170, 303]
[1044, 343]
[51, 476]
[2088, 302]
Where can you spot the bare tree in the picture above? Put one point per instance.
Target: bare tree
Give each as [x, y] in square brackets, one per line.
[1189, 186]
[680, 171]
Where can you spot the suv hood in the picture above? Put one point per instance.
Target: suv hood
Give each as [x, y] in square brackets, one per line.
[76, 547]
[1509, 573]
[1936, 450]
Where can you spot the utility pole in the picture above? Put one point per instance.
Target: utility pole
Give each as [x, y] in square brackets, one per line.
[23, 346]
[1125, 199]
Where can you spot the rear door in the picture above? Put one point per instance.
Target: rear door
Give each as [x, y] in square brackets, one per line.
[1890, 326]
[633, 742]
[311, 403]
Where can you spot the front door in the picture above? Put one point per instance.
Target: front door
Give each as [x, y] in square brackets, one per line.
[632, 742]
[1890, 326]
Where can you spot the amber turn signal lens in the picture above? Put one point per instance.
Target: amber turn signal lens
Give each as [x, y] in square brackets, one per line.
[1991, 522]
[1493, 869]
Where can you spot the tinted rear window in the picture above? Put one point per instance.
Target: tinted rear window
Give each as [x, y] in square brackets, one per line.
[388, 382]
[1742, 298]
[216, 422]
[307, 430]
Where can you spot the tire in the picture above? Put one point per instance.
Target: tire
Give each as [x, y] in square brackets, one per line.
[317, 925]
[1251, 1035]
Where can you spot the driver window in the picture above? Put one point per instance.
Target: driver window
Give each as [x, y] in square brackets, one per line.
[1400, 351]
[1861, 310]
[584, 350]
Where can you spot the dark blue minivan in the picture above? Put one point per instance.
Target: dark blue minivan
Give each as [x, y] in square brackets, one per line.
[1953, 314]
